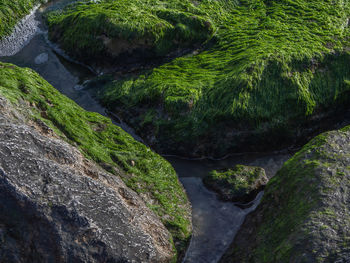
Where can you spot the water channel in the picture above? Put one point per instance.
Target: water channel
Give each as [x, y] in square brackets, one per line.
[215, 223]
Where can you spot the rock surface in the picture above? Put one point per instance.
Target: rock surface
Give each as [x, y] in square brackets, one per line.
[304, 215]
[141, 169]
[58, 206]
[240, 184]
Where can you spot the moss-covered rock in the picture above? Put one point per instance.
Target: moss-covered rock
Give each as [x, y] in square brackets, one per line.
[271, 68]
[147, 173]
[101, 31]
[304, 214]
[66, 207]
[12, 11]
[240, 184]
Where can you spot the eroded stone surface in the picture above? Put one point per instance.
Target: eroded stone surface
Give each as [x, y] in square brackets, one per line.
[57, 206]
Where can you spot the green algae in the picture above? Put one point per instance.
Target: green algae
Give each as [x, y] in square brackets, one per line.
[160, 26]
[12, 11]
[240, 183]
[299, 218]
[270, 66]
[147, 173]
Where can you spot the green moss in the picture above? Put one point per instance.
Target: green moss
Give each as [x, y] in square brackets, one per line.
[12, 11]
[271, 65]
[294, 209]
[140, 168]
[158, 25]
[299, 217]
[238, 183]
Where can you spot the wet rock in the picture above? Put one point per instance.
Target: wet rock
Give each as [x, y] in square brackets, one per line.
[304, 214]
[21, 34]
[240, 184]
[57, 206]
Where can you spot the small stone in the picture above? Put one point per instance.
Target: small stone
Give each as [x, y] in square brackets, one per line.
[240, 184]
[41, 59]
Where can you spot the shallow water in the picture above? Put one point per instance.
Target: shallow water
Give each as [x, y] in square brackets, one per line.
[271, 162]
[39, 56]
[215, 223]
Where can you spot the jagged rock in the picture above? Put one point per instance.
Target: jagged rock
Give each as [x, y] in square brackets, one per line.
[58, 206]
[304, 214]
[240, 184]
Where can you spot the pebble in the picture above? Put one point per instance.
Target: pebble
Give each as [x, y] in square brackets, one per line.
[41, 59]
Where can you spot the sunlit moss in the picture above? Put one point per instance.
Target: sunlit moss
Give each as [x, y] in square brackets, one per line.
[155, 25]
[269, 67]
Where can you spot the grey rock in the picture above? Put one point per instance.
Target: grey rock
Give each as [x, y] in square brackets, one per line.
[57, 206]
[21, 34]
[304, 214]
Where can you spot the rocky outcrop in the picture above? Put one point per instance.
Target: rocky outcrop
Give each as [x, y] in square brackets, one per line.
[240, 184]
[58, 206]
[120, 33]
[98, 139]
[274, 73]
[304, 214]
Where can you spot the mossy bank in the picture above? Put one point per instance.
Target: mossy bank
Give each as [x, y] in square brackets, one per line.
[142, 170]
[269, 69]
[12, 11]
[120, 31]
[304, 214]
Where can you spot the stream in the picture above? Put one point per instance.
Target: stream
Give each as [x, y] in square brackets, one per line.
[215, 223]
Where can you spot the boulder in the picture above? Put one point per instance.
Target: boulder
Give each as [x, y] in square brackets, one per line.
[240, 184]
[108, 34]
[266, 80]
[58, 206]
[304, 214]
[39, 104]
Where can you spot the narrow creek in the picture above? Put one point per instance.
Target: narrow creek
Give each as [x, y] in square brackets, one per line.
[215, 223]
